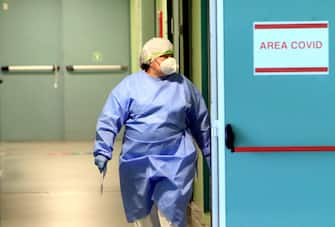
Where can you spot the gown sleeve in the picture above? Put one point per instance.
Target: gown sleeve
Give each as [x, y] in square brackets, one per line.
[110, 121]
[199, 123]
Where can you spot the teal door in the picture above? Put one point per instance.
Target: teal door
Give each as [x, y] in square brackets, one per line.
[282, 171]
[31, 108]
[94, 33]
[59, 105]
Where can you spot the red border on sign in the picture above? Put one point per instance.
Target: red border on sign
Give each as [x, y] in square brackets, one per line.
[291, 26]
[292, 70]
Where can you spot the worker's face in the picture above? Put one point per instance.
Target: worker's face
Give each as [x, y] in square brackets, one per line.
[155, 64]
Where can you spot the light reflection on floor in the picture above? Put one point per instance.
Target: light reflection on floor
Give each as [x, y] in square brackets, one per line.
[57, 185]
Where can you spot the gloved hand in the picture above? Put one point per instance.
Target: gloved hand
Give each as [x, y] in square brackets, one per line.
[101, 162]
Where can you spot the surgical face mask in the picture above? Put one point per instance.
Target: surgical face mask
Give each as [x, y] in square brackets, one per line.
[168, 66]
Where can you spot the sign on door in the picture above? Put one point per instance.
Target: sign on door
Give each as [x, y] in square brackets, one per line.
[285, 48]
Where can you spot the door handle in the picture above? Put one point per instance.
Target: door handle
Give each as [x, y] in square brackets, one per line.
[1, 81]
[229, 137]
[96, 68]
[29, 68]
[230, 144]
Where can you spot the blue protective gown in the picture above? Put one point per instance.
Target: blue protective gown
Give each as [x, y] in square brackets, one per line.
[158, 157]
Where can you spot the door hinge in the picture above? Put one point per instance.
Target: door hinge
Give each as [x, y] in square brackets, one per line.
[215, 128]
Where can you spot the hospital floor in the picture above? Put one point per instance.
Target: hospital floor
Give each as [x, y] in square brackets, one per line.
[57, 185]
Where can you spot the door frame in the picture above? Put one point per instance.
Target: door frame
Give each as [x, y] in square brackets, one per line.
[216, 17]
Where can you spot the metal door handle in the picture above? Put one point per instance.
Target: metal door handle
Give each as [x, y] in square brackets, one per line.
[96, 68]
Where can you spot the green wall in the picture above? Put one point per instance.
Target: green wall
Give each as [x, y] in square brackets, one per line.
[197, 78]
[142, 27]
[135, 33]
[148, 19]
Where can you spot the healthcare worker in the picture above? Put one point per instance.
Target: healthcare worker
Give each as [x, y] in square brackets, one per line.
[161, 111]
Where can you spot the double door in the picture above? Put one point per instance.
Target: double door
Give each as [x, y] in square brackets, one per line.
[59, 104]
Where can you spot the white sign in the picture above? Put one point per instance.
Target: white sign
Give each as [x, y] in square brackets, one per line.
[282, 48]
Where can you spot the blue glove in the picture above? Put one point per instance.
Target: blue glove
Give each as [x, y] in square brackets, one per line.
[101, 162]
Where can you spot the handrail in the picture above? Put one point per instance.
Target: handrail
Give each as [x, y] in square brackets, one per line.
[96, 68]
